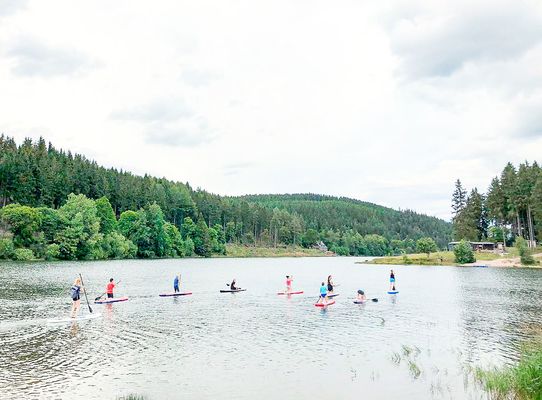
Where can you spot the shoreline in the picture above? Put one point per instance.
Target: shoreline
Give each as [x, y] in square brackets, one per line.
[446, 258]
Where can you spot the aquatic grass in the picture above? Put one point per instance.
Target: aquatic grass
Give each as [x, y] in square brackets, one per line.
[522, 381]
[411, 351]
[415, 371]
[396, 358]
[409, 355]
[132, 397]
[406, 350]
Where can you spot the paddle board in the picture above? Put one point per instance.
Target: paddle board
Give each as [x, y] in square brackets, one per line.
[232, 291]
[393, 292]
[299, 292]
[76, 319]
[325, 305]
[174, 294]
[329, 296]
[113, 300]
[360, 301]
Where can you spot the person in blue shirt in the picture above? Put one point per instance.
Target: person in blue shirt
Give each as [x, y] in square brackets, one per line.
[323, 294]
[176, 282]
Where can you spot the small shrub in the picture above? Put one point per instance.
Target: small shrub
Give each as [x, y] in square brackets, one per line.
[6, 248]
[463, 253]
[23, 255]
[525, 254]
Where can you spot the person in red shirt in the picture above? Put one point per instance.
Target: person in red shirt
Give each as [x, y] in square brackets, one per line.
[109, 288]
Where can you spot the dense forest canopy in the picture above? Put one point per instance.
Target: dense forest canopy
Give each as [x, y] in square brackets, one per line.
[156, 217]
[511, 207]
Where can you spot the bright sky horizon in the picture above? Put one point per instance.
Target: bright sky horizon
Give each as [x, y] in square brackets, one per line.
[384, 103]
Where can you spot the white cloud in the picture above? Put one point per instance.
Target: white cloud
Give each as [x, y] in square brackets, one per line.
[9, 7]
[385, 103]
[33, 58]
[434, 44]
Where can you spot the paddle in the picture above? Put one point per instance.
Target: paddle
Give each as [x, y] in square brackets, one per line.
[375, 300]
[102, 295]
[85, 292]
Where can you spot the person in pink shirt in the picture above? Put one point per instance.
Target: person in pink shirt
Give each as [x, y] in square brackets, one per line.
[289, 280]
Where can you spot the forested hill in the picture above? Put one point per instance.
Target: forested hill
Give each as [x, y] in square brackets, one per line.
[322, 212]
[40, 177]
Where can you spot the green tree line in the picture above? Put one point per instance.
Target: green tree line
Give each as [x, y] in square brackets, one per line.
[511, 208]
[37, 175]
[86, 229]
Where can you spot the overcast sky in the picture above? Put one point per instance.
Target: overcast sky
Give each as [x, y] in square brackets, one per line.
[350, 98]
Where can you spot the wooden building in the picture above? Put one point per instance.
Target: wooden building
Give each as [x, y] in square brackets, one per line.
[476, 246]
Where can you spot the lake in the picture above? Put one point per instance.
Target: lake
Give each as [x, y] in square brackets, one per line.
[419, 344]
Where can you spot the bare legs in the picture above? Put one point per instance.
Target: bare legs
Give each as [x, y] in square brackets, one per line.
[75, 308]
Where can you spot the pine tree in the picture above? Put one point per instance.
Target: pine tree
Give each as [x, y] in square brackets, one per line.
[459, 198]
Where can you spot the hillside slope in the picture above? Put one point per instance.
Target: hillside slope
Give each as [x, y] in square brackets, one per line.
[38, 175]
[341, 213]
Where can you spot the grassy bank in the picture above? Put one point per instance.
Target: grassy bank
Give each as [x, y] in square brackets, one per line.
[440, 258]
[522, 381]
[236, 250]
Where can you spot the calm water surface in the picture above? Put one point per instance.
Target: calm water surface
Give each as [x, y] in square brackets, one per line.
[257, 345]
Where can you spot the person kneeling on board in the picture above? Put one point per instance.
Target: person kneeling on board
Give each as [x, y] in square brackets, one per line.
[233, 287]
[361, 296]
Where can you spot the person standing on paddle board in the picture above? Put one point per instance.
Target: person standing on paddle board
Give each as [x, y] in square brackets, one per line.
[109, 288]
[323, 294]
[392, 280]
[329, 285]
[176, 282]
[289, 280]
[75, 292]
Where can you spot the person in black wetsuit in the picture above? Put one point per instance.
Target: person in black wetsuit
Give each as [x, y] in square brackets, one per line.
[329, 284]
[232, 286]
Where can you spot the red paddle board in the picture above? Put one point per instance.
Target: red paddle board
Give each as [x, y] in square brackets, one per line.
[325, 305]
[113, 300]
[282, 293]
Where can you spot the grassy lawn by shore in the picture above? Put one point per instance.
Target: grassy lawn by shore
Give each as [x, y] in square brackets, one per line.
[441, 258]
[236, 250]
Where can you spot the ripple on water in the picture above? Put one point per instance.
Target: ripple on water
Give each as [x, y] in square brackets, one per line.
[209, 343]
